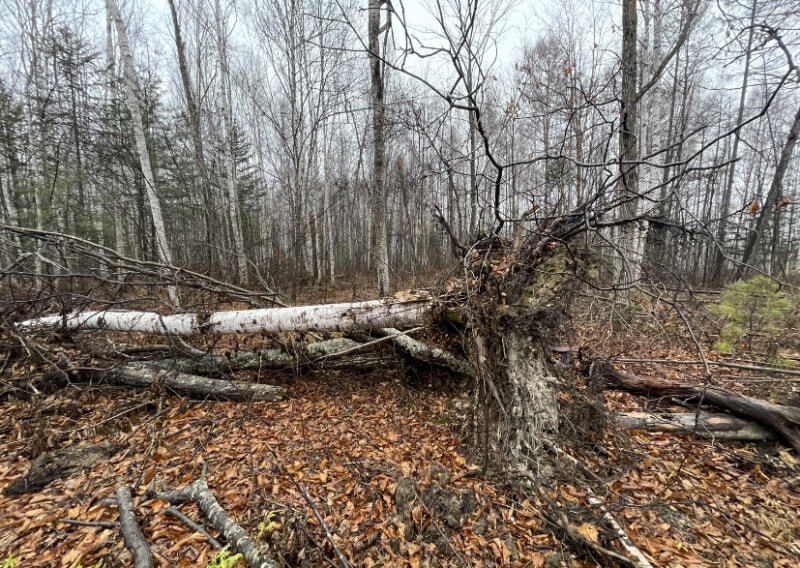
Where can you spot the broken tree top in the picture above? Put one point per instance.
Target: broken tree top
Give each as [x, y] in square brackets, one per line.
[326, 317]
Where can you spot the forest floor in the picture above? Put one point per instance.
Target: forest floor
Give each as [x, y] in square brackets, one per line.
[353, 438]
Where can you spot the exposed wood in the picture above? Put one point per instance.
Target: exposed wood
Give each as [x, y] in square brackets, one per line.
[58, 464]
[141, 375]
[716, 426]
[134, 539]
[325, 317]
[785, 420]
[199, 493]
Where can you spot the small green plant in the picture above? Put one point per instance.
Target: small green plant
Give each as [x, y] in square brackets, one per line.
[268, 525]
[97, 565]
[224, 559]
[748, 308]
[10, 561]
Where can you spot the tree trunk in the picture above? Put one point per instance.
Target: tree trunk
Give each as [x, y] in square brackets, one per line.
[326, 317]
[145, 376]
[719, 254]
[379, 149]
[230, 143]
[134, 108]
[773, 199]
[707, 425]
[785, 420]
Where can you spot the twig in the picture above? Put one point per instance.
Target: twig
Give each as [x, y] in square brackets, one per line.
[713, 363]
[80, 523]
[300, 487]
[197, 527]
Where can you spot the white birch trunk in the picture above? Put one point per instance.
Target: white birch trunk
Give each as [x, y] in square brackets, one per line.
[326, 317]
[141, 143]
[230, 158]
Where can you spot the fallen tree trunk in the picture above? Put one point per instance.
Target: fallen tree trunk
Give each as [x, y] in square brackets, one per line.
[784, 420]
[323, 354]
[199, 493]
[708, 425]
[325, 317]
[140, 375]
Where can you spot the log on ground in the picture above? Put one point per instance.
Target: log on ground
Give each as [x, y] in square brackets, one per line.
[785, 420]
[706, 424]
[144, 376]
[325, 317]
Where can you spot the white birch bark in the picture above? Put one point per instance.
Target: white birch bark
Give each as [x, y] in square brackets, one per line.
[326, 317]
[141, 143]
[230, 158]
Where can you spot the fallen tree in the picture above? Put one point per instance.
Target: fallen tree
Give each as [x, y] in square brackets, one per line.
[326, 317]
[784, 420]
[144, 376]
[706, 424]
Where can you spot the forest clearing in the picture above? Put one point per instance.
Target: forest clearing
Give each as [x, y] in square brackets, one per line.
[399, 283]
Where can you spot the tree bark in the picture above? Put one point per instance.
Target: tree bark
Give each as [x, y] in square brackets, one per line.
[141, 143]
[784, 420]
[327, 317]
[772, 202]
[707, 425]
[379, 149]
[139, 375]
[134, 539]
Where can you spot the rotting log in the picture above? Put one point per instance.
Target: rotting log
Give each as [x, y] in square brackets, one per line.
[706, 424]
[143, 376]
[200, 494]
[427, 354]
[49, 466]
[322, 354]
[785, 420]
[325, 317]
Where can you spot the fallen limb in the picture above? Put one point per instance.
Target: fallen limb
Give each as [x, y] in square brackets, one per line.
[427, 354]
[759, 368]
[57, 464]
[196, 527]
[638, 559]
[322, 354]
[706, 424]
[141, 375]
[199, 493]
[785, 420]
[325, 317]
[80, 523]
[131, 532]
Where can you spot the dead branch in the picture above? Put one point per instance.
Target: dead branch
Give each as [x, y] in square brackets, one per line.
[131, 532]
[784, 420]
[706, 424]
[199, 493]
